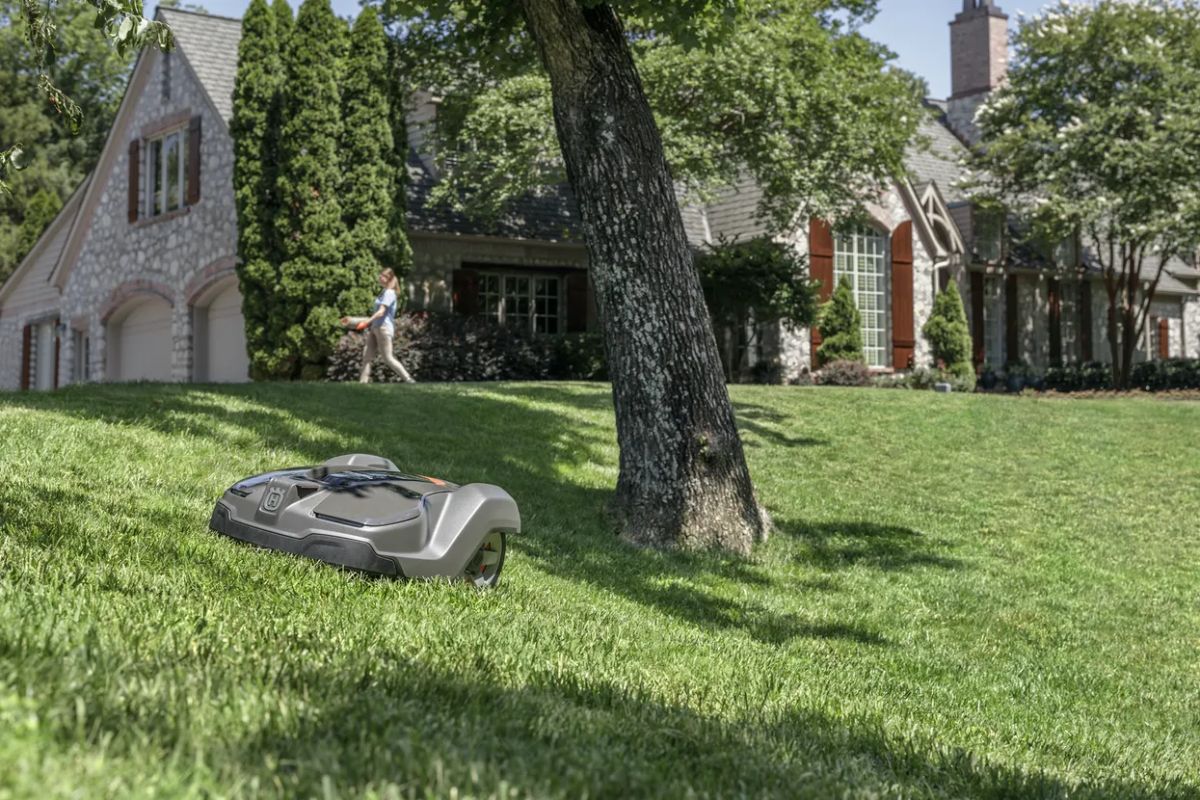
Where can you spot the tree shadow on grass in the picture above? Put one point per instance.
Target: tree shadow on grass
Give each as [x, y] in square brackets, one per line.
[765, 423]
[839, 545]
[567, 532]
[377, 722]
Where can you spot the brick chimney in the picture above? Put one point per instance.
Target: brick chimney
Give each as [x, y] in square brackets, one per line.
[978, 61]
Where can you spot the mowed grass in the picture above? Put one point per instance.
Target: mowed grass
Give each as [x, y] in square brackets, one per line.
[965, 596]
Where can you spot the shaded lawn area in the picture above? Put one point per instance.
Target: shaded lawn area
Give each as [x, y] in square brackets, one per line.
[966, 596]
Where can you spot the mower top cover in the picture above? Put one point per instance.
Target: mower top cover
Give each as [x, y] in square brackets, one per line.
[362, 512]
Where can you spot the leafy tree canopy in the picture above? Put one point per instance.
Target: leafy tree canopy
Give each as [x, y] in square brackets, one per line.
[85, 67]
[121, 25]
[760, 280]
[790, 94]
[1098, 128]
[1098, 132]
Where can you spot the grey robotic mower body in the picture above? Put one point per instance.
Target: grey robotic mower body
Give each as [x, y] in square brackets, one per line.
[361, 512]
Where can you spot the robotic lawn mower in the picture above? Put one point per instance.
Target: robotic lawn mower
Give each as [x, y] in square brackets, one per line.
[361, 512]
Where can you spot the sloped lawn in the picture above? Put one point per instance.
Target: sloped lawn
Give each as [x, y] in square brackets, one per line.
[965, 597]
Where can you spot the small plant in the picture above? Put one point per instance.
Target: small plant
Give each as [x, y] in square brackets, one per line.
[988, 379]
[949, 337]
[844, 373]
[841, 327]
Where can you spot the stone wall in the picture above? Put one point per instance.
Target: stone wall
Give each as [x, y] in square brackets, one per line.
[1190, 329]
[167, 250]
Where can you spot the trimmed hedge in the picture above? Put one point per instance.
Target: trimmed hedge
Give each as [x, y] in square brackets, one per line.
[452, 347]
[1151, 376]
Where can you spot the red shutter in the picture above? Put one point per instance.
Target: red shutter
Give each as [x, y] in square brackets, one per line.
[465, 297]
[1085, 319]
[26, 352]
[1055, 296]
[193, 165]
[820, 266]
[577, 301]
[57, 352]
[977, 317]
[134, 181]
[1164, 338]
[1012, 331]
[903, 338]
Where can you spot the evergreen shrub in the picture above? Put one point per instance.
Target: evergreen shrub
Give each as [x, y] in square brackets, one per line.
[949, 337]
[841, 327]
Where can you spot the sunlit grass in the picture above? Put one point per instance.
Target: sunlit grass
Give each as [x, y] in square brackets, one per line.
[965, 596]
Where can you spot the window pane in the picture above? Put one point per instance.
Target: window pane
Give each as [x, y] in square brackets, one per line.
[517, 309]
[156, 180]
[173, 169]
[183, 167]
[860, 257]
[489, 296]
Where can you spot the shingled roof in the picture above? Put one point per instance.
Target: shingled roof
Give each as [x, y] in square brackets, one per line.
[935, 156]
[210, 45]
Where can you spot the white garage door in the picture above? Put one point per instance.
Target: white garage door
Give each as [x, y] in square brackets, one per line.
[144, 342]
[225, 344]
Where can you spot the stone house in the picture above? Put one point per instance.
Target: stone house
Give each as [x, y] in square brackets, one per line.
[135, 277]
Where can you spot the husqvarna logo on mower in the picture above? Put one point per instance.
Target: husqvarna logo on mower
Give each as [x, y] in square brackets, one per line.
[274, 499]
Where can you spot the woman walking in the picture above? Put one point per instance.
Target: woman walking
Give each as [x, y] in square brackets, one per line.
[380, 328]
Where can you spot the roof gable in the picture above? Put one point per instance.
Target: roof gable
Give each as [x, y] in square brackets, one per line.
[209, 44]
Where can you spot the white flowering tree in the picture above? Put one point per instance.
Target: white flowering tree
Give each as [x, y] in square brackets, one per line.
[1097, 134]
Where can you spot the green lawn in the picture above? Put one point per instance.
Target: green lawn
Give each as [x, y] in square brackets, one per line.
[966, 596]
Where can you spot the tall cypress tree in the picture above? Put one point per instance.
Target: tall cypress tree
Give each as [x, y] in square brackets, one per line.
[254, 95]
[367, 153]
[284, 22]
[398, 255]
[313, 278]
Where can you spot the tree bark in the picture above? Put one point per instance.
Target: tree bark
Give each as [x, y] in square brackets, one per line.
[683, 478]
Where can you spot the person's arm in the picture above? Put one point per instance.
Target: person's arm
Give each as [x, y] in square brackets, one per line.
[366, 323]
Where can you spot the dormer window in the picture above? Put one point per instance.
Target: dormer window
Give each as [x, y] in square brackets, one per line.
[989, 235]
[166, 172]
[1066, 253]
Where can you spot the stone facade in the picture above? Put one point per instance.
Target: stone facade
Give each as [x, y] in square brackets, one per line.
[168, 251]
[792, 348]
[1190, 330]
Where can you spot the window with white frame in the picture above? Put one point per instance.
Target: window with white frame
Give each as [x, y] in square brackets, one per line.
[860, 256]
[533, 302]
[166, 172]
[995, 339]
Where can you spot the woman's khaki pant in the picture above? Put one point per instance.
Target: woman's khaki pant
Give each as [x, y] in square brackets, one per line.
[379, 342]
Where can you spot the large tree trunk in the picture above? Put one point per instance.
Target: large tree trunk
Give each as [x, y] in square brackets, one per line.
[683, 477]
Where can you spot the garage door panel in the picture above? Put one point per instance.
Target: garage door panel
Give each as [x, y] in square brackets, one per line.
[144, 342]
[225, 339]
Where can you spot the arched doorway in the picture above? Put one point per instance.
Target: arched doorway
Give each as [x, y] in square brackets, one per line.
[140, 341]
[220, 335]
